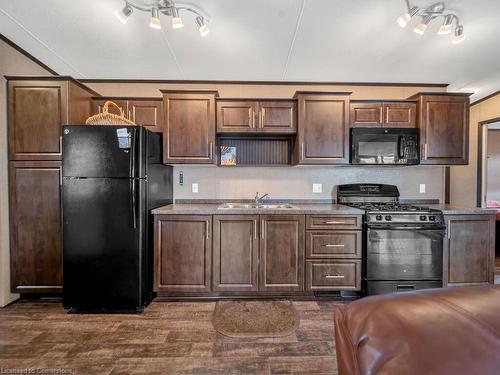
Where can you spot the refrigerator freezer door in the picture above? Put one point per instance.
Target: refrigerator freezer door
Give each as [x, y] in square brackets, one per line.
[103, 151]
[103, 244]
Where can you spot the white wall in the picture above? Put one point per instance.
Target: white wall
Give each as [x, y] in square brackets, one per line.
[11, 63]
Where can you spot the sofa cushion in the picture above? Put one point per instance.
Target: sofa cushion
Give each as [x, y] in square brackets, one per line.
[439, 331]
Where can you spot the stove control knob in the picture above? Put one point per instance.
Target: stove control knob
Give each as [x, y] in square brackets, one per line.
[388, 218]
[423, 218]
[432, 218]
[378, 217]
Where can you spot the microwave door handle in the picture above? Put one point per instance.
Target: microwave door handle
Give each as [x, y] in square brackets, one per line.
[400, 150]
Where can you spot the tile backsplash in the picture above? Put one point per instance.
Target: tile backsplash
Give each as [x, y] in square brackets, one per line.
[297, 182]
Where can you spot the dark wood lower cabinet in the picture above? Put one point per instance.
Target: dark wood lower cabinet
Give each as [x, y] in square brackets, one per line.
[35, 222]
[282, 253]
[333, 275]
[235, 255]
[469, 250]
[183, 253]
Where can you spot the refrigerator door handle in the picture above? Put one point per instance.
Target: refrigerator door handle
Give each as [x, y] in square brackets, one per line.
[133, 203]
[132, 153]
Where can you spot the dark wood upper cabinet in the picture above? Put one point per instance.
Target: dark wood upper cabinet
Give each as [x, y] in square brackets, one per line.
[469, 251]
[399, 115]
[367, 114]
[183, 253]
[189, 127]
[35, 226]
[323, 128]
[248, 116]
[444, 128]
[37, 109]
[235, 253]
[282, 253]
[277, 117]
[146, 112]
[235, 116]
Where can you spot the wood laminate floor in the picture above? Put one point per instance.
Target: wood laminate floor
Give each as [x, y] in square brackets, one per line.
[168, 338]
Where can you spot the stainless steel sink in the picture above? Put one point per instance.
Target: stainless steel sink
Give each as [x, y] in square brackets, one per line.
[245, 206]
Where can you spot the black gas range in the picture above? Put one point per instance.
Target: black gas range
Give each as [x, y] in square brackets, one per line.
[403, 243]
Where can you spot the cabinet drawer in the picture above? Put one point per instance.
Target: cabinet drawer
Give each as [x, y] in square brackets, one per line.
[333, 244]
[338, 275]
[333, 222]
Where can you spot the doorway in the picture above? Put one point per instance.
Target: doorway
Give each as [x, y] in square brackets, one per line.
[488, 189]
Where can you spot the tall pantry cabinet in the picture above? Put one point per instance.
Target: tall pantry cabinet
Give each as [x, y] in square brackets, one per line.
[37, 109]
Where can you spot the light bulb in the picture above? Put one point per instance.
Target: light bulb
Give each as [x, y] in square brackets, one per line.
[447, 25]
[420, 28]
[403, 19]
[124, 13]
[176, 20]
[154, 21]
[406, 17]
[459, 35]
[202, 27]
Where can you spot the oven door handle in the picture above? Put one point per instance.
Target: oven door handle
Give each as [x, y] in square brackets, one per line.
[403, 227]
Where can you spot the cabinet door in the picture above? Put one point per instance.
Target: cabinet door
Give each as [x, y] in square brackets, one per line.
[444, 129]
[323, 129]
[189, 128]
[365, 115]
[35, 226]
[282, 253]
[277, 117]
[469, 252]
[146, 113]
[235, 261]
[37, 110]
[183, 253]
[236, 117]
[399, 115]
[98, 104]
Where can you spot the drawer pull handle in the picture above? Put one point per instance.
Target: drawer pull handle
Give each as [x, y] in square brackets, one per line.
[334, 277]
[334, 222]
[331, 245]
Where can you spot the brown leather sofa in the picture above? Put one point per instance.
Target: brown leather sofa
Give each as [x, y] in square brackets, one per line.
[434, 332]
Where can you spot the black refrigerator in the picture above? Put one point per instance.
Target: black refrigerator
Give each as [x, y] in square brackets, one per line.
[112, 177]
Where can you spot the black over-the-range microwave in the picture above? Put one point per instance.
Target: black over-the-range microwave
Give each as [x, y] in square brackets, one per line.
[385, 146]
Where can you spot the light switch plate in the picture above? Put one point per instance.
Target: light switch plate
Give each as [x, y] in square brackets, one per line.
[422, 188]
[317, 188]
[194, 188]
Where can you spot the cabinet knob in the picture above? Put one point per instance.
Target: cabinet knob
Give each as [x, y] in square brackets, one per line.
[331, 245]
[334, 277]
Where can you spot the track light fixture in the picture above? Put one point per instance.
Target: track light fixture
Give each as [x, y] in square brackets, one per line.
[168, 8]
[434, 11]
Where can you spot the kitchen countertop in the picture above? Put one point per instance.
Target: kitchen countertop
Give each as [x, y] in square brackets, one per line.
[450, 209]
[212, 209]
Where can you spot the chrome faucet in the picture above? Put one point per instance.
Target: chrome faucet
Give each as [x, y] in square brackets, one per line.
[258, 200]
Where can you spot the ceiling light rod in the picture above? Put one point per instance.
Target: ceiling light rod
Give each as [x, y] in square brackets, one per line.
[436, 10]
[168, 8]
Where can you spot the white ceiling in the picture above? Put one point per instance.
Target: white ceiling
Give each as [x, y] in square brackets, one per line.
[292, 40]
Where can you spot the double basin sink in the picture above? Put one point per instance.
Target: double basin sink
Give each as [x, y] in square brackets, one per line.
[247, 206]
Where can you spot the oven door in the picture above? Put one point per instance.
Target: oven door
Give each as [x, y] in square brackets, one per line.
[404, 253]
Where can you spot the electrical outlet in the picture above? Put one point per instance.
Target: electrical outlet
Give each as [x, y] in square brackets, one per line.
[317, 188]
[194, 188]
[422, 188]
